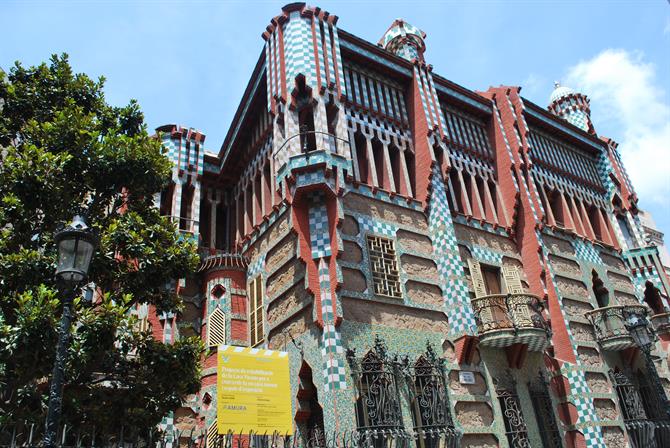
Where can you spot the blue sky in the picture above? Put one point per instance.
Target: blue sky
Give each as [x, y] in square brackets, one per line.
[189, 62]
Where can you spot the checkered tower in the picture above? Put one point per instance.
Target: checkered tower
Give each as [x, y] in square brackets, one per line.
[572, 106]
[305, 77]
[405, 40]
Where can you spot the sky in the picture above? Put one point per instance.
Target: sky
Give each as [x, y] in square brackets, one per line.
[188, 62]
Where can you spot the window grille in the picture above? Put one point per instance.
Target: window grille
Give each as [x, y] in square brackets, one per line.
[216, 328]
[640, 429]
[544, 412]
[433, 426]
[515, 424]
[384, 266]
[256, 312]
[378, 414]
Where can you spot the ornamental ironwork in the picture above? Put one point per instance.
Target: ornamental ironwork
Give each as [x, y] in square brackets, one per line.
[610, 321]
[515, 424]
[544, 412]
[376, 378]
[508, 311]
[640, 429]
[425, 378]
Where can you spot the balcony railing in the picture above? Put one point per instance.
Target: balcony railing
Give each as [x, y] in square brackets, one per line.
[661, 323]
[507, 319]
[610, 325]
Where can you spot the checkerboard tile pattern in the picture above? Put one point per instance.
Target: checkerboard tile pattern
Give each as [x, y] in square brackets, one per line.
[585, 251]
[449, 264]
[318, 227]
[330, 341]
[298, 48]
[486, 255]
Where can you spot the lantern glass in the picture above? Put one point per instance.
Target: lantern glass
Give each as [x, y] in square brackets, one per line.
[75, 250]
[641, 335]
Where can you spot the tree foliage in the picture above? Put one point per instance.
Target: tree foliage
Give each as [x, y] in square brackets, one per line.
[65, 151]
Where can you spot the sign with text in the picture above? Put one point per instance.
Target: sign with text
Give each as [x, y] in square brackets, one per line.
[253, 391]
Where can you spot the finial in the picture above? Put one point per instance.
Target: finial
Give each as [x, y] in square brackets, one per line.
[557, 84]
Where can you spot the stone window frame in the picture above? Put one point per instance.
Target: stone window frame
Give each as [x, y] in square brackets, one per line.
[385, 275]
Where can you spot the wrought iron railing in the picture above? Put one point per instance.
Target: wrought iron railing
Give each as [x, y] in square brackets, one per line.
[508, 311]
[30, 436]
[306, 145]
[610, 321]
[184, 225]
[661, 323]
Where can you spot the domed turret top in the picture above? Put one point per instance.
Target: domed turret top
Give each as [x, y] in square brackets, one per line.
[559, 92]
[404, 39]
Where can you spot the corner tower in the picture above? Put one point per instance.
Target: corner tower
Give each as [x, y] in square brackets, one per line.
[404, 40]
[571, 106]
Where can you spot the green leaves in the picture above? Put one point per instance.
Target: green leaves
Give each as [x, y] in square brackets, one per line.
[65, 151]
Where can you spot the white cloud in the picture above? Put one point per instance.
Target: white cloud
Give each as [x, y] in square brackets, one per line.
[628, 105]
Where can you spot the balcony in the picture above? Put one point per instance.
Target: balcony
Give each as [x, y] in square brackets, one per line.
[610, 325]
[661, 323]
[508, 319]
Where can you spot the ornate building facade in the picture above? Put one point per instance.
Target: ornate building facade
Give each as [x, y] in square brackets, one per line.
[444, 266]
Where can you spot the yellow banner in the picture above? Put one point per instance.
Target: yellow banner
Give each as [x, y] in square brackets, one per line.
[253, 391]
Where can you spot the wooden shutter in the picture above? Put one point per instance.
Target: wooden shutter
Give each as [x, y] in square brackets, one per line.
[512, 280]
[256, 311]
[216, 328]
[477, 278]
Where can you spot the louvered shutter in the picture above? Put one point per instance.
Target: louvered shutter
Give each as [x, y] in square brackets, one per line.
[216, 328]
[482, 308]
[512, 280]
[212, 435]
[518, 306]
[477, 278]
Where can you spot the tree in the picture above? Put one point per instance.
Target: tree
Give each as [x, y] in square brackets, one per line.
[65, 151]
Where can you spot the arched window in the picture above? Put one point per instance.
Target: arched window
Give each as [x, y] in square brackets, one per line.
[601, 293]
[305, 110]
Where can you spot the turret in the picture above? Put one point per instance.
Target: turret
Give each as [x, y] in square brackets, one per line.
[404, 40]
[571, 106]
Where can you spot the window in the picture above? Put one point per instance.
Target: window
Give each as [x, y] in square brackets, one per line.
[256, 312]
[515, 424]
[384, 266]
[429, 402]
[544, 412]
[491, 276]
[216, 328]
[378, 413]
[628, 237]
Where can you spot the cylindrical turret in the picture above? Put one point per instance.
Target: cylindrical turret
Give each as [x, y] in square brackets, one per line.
[571, 106]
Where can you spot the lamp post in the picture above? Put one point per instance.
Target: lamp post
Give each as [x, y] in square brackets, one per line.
[636, 325]
[76, 244]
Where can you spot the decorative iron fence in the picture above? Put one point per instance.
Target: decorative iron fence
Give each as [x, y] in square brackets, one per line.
[610, 321]
[508, 311]
[30, 436]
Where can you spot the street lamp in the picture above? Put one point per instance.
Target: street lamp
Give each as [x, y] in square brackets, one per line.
[637, 326]
[76, 244]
